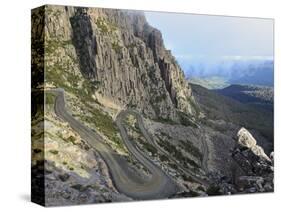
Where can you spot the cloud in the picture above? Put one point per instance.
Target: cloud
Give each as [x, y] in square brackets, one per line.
[214, 36]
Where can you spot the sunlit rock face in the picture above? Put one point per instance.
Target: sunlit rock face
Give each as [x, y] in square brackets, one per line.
[246, 139]
[124, 58]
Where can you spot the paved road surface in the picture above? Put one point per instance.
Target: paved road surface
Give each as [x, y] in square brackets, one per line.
[157, 185]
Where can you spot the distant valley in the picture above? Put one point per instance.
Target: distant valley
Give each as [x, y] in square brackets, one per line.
[210, 82]
[255, 72]
[259, 96]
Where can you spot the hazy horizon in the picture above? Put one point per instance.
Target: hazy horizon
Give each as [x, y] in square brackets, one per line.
[208, 45]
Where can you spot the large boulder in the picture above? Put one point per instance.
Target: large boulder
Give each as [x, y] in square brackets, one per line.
[245, 138]
[257, 150]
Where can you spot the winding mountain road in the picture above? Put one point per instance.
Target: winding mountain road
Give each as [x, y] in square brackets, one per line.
[158, 185]
[148, 137]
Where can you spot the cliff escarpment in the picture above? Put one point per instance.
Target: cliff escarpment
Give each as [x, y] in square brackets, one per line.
[121, 59]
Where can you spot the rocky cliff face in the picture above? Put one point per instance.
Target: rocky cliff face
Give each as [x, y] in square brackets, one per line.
[122, 58]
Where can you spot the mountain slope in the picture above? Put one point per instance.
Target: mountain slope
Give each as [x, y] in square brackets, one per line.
[219, 107]
[259, 96]
[122, 58]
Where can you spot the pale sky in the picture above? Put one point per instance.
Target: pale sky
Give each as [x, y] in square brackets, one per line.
[203, 36]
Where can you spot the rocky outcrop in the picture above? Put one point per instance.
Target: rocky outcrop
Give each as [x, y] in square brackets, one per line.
[245, 139]
[124, 58]
[256, 165]
[251, 169]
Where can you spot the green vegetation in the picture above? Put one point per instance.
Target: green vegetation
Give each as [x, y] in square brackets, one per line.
[151, 73]
[72, 79]
[51, 11]
[190, 148]
[105, 26]
[165, 120]
[165, 134]
[218, 107]
[71, 139]
[160, 97]
[105, 125]
[37, 150]
[59, 74]
[195, 107]
[62, 74]
[69, 81]
[52, 45]
[53, 151]
[186, 120]
[194, 193]
[213, 190]
[116, 47]
[187, 178]
[150, 148]
[144, 79]
[164, 158]
[79, 187]
[50, 98]
[131, 104]
[177, 154]
[101, 24]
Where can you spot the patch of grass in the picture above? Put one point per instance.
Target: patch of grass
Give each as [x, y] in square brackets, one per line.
[165, 135]
[195, 107]
[105, 26]
[151, 74]
[53, 151]
[54, 74]
[52, 45]
[187, 178]
[69, 81]
[49, 11]
[116, 47]
[79, 187]
[213, 190]
[164, 158]
[105, 125]
[160, 98]
[177, 154]
[101, 24]
[150, 148]
[186, 120]
[165, 120]
[200, 188]
[50, 98]
[190, 148]
[37, 151]
[72, 139]
[194, 193]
